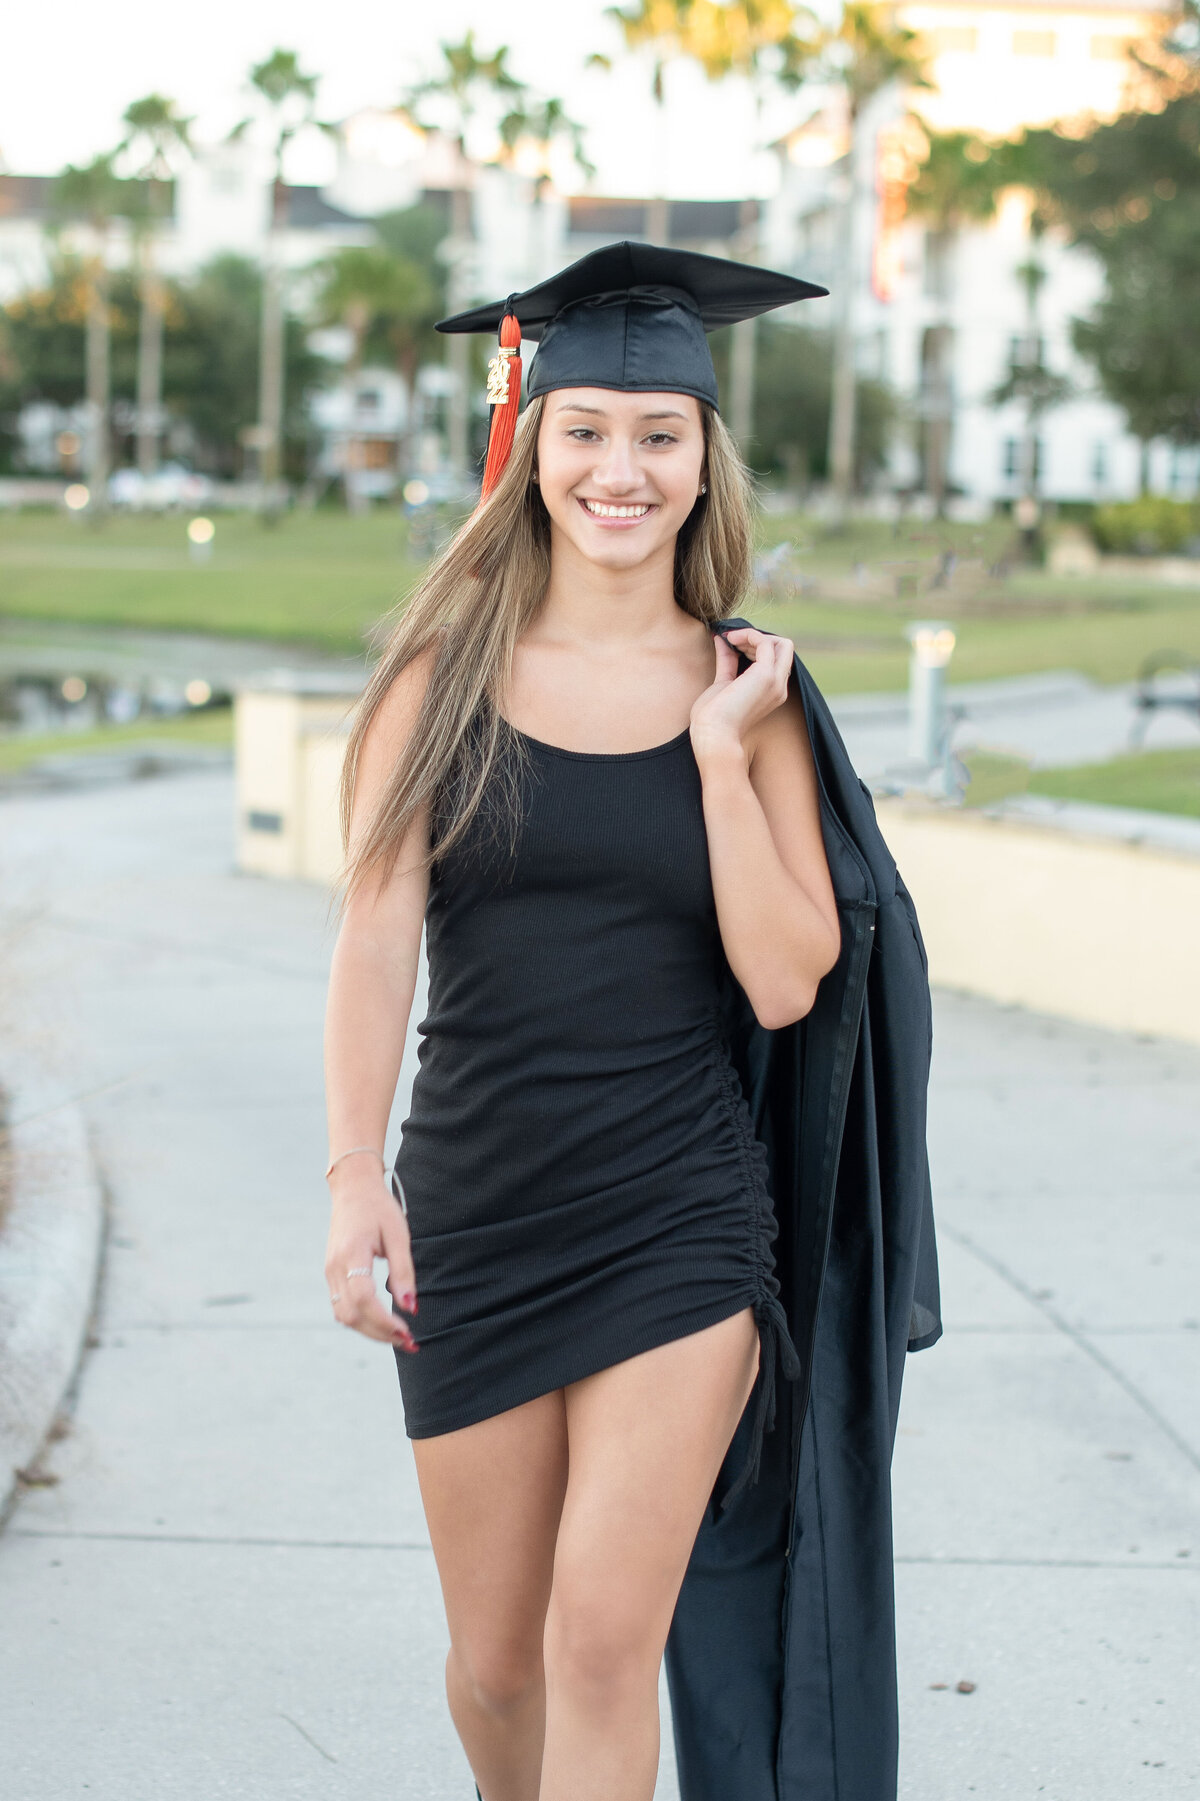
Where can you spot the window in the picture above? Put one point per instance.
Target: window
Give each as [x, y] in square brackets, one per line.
[1100, 462]
[1033, 43]
[1025, 352]
[1012, 458]
[1178, 477]
[954, 37]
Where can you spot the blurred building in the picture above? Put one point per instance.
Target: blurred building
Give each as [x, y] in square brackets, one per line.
[941, 315]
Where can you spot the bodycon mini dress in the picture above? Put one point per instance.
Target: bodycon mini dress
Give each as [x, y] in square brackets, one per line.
[579, 1169]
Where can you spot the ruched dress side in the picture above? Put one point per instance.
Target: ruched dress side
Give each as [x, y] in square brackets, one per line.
[579, 1167]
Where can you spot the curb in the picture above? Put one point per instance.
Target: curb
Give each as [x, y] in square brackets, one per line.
[50, 1247]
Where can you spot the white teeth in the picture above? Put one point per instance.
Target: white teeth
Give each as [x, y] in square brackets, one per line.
[605, 512]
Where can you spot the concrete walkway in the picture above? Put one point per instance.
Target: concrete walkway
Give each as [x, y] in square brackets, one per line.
[1052, 719]
[228, 1591]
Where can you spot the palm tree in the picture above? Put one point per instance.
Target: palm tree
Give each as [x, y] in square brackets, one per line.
[369, 290]
[155, 137]
[656, 26]
[465, 80]
[93, 194]
[1036, 386]
[958, 183]
[863, 54]
[287, 98]
[758, 40]
[539, 124]
[544, 123]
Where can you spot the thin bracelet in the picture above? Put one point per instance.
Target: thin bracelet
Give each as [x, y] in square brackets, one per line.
[353, 1152]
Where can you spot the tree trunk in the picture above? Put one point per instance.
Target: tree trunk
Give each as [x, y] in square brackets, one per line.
[458, 350]
[98, 385]
[842, 402]
[150, 362]
[270, 359]
[743, 343]
[938, 405]
[741, 385]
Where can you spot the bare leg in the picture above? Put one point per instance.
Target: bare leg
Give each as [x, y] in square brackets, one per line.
[493, 1496]
[646, 1439]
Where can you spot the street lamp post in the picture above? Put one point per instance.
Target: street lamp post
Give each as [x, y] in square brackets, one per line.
[932, 643]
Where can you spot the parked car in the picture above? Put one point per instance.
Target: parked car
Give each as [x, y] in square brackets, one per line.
[172, 488]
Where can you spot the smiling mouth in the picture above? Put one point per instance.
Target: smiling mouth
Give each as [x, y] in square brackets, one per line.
[602, 509]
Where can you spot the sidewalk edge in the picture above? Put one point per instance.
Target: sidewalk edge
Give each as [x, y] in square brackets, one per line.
[50, 1254]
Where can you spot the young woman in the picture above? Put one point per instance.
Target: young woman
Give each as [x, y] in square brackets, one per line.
[607, 832]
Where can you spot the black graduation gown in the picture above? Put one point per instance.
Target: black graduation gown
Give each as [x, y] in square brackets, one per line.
[781, 1660]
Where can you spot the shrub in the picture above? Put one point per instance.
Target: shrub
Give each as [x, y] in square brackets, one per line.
[1151, 526]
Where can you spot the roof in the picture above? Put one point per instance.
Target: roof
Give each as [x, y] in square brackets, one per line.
[688, 221]
[307, 210]
[32, 197]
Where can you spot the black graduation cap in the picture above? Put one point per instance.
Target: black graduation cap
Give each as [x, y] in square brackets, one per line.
[634, 317]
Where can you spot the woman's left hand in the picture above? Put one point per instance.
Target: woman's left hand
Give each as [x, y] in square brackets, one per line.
[728, 710]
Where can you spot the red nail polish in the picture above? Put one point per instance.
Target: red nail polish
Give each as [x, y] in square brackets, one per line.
[408, 1301]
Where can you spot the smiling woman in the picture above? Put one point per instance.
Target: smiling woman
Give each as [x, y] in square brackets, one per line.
[597, 793]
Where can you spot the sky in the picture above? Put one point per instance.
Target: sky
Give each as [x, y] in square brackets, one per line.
[70, 69]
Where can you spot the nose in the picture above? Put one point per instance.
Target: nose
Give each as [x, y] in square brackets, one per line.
[617, 471]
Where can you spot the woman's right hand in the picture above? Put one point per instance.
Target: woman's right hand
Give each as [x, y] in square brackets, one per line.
[368, 1222]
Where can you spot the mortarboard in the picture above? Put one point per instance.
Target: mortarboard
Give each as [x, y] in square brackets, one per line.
[634, 317]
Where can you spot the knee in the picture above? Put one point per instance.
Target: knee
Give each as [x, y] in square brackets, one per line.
[599, 1646]
[499, 1679]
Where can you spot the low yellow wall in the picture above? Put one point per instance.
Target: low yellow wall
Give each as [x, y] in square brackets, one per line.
[1085, 928]
[288, 748]
[1092, 930]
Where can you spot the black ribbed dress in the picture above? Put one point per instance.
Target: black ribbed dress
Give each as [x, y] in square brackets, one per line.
[580, 1172]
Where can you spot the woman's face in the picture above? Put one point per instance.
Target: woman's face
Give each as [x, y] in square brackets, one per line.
[619, 473]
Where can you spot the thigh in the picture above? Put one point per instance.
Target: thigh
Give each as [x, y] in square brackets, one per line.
[493, 1495]
[646, 1441]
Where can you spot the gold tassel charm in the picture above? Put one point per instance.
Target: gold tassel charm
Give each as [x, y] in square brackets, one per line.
[497, 377]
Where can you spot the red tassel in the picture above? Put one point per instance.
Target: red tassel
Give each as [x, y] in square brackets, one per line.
[504, 392]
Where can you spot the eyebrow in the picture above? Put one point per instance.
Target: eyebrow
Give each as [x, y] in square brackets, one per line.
[599, 413]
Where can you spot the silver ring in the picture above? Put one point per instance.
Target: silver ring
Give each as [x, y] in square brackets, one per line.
[335, 1297]
[366, 1270]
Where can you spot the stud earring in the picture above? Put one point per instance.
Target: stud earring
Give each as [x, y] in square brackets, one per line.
[704, 487]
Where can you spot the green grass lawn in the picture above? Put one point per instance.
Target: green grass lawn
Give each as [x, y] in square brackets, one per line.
[319, 578]
[1158, 781]
[212, 726]
[326, 579]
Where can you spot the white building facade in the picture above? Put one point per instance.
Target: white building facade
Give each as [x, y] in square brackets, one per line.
[941, 316]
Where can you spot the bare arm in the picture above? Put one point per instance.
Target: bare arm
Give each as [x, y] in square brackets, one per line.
[774, 897]
[371, 987]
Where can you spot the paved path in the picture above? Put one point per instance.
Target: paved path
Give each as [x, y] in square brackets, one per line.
[229, 1592]
[1053, 719]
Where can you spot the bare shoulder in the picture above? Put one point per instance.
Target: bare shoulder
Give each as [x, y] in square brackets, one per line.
[388, 733]
[396, 715]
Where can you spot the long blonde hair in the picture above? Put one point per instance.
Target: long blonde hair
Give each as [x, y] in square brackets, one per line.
[473, 604]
